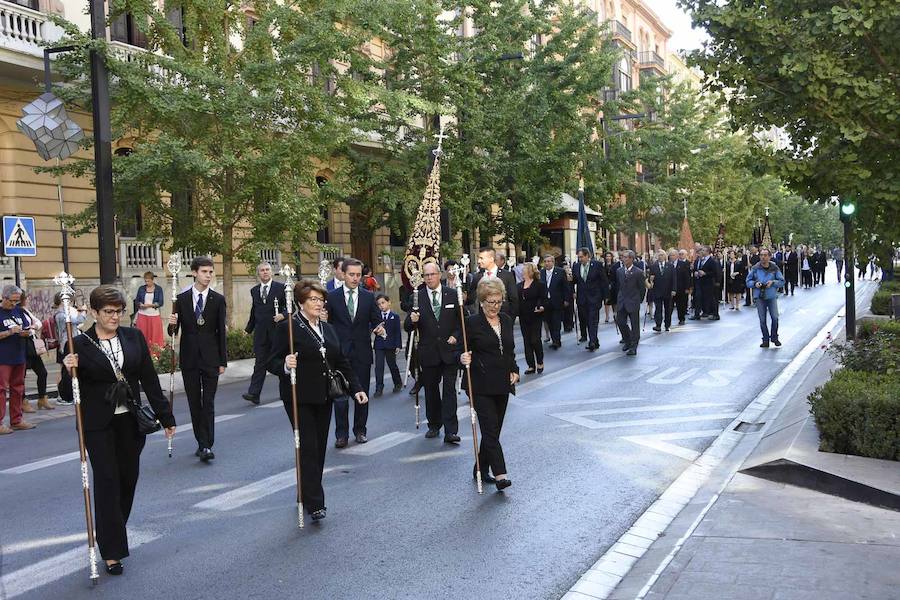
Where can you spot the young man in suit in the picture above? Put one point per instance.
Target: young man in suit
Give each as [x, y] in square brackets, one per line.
[203, 354]
[558, 298]
[386, 346]
[440, 332]
[337, 280]
[267, 307]
[663, 274]
[682, 285]
[628, 307]
[790, 267]
[592, 287]
[355, 317]
[490, 269]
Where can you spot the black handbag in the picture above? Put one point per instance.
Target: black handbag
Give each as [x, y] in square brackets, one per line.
[121, 393]
[338, 386]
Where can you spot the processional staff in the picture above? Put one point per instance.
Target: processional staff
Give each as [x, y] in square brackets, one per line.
[174, 266]
[288, 273]
[460, 272]
[65, 281]
[415, 280]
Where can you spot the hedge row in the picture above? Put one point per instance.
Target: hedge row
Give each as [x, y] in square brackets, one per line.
[239, 344]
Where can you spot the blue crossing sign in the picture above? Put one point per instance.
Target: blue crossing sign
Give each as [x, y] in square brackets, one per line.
[18, 236]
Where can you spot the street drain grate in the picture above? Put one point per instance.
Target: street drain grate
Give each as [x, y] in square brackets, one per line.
[745, 427]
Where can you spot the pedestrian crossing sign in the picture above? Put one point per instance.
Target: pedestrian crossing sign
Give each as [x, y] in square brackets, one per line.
[18, 236]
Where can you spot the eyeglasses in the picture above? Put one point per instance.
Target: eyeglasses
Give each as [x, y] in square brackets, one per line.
[316, 299]
[113, 312]
[493, 302]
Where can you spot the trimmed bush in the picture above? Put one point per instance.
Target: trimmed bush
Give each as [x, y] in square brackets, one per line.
[877, 353]
[868, 327]
[859, 413]
[881, 302]
[892, 286]
[163, 362]
[240, 345]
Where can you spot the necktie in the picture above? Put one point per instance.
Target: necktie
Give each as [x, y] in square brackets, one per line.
[435, 304]
[264, 292]
[584, 272]
[351, 305]
[384, 316]
[198, 310]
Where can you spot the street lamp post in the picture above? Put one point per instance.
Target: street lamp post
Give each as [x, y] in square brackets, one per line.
[847, 210]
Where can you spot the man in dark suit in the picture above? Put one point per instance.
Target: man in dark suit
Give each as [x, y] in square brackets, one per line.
[203, 352]
[628, 307]
[662, 274]
[439, 336]
[267, 307]
[819, 263]
[488, 268]
[683, 284]
[591, 287]
[355, 317]
[337, 278]
[790, 266]
[557, 298]
[705, 273]
[568, 313]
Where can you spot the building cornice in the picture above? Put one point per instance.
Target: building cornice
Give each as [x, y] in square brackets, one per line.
[651, 16]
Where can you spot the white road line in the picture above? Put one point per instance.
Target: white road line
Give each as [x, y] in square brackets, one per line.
[186, 427]
[554, 377]
[380, 444]
[660, 441]
[591, 424]
[585, 401]
[34, 544]
[56, 567]
[40, 464]
[255, 491]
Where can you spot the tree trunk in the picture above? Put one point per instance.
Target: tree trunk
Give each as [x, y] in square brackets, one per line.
[228, 272]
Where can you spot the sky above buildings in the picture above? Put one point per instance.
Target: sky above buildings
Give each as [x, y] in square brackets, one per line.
[683, 36]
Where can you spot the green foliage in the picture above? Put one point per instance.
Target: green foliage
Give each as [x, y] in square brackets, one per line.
[878, 353]
[881, 303]
[162, 361]
[239, 344]
[866, 328]
[859, 413]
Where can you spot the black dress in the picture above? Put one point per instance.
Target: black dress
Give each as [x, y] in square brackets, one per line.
[736, 284]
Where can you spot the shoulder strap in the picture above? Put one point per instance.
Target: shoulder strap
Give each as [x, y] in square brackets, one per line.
[111, 359]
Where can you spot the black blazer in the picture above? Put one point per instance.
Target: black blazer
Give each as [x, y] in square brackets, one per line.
[683, 276]
[432, 347]
[355, 335]
[531, 298]
[510, 304]
[631, 288]
[96, 375]
[490, 368]
[663, 281]
[260, 323]
[595, 289]
[558, 291]
[312, 382]
[202, 346]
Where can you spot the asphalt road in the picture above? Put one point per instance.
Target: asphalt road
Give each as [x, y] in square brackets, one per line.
[590, 444]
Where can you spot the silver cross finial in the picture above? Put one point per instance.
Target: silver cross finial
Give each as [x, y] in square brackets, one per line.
[287, 272]
[174, 263]
[440, 138]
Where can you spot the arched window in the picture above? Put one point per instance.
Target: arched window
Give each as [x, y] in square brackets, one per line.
[623, 77]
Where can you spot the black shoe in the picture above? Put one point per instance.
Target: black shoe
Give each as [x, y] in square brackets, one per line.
[485, 477]
[556, 346]
[115, 569]
[207, 455]
[378, 393]
[715, 318]
[198, 452]
[340, 443]
[540, 370]
[502, 484]
[626, 348]
[250, 398]
[582, 339]
[452, 439]
[631, 352]
[397, 388]
[622, 341]
[764, 345]
[681, 322]
[317, 515]
[667, 328]
[693, 318]
[361, 438]
[777, 343]
[657, 329]
[530, 371]
[414, 390]
[432, 433]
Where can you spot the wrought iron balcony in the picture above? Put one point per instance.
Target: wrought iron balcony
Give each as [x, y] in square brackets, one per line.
[618, 31]
[652, 60]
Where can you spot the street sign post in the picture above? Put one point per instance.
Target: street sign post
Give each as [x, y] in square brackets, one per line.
[19, 239]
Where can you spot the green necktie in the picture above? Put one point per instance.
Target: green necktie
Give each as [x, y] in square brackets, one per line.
[351, 305]
[435, 304]
[584, 272]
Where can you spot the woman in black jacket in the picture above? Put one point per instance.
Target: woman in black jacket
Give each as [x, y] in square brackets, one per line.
[314, 407]
[492, 360]
[111, 436]
[532, 293]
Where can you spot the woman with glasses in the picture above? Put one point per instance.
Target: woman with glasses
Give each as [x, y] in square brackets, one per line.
[492, 361]
[316, 350]
[111, 435]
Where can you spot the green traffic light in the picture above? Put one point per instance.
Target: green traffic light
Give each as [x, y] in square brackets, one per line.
[848, 208]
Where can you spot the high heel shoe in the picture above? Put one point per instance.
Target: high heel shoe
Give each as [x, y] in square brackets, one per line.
[115, 569]
[502, 484]
[540, 369]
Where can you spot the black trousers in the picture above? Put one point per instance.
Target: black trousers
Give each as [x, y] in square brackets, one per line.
[315, 420]
[553, 318]
[389, 356]
[115, 454]
[200, 386]
[663, 311]
[491, 411]
[568, 317]
[440, 400]
[360, 411]
[839, 265]
[589, 321]
[261, 350]
[531, 336]
[790, 284]
[34, 362]
[681, 303]
[632, 334]
[699, 304]
[807, 279]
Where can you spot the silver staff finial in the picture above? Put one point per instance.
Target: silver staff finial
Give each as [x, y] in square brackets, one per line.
[324, 271]
[174, 263]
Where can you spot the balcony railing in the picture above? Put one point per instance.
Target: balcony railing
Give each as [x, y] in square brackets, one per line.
[271, 256]
[137, 256]
[25, 30]
[609, 95]
[651, 60]
[617, 29]
[128, 53]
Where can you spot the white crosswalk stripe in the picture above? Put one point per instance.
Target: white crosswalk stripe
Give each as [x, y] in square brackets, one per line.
[255, 491]
[660, 441]
[580, 417]
[380, 444]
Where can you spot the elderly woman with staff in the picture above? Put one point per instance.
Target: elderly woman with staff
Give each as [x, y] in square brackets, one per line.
[491, 361]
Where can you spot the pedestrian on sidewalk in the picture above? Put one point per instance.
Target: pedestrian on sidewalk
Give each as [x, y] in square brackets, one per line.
[268, 307]
[147, 301]
[34, 358]
[14, 328]
[386, 346]
[765, 279]
[78, 315]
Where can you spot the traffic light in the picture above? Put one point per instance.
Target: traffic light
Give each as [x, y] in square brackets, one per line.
[848, 210]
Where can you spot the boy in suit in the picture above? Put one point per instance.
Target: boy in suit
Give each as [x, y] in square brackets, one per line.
[200, 315]
[386, 346]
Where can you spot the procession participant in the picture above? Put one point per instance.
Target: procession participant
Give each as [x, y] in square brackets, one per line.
[554, 278]
[491, 360]
[15, 327]
[631, 293]
[500, 259]
[592, 287]
[663, 292]
[790, 269]
[568, 313]
[532, 295]
[704, 295]
[337, 279]
[439, 332]
[683, 284]
[735, 281]
[489, 270]
[838, 256]
[610, 265]
[203, 351]
[267, 307]
[317, 349]
[764, 279]
[103, 355]
[713, 281]
[78, 316]
[147, 301]
[817, 263]
[806, 268]
[355, 317]
[386, 346]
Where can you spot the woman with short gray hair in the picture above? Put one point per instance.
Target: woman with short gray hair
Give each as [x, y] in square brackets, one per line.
[14, 328]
